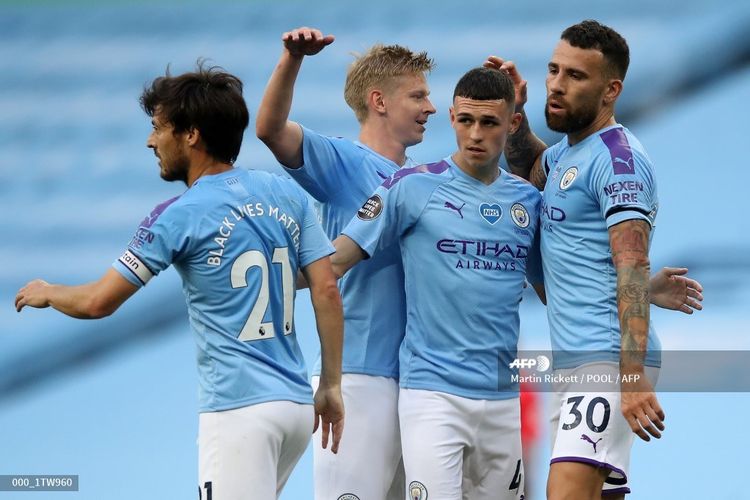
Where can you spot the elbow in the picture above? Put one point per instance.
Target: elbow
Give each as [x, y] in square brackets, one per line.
[265, 131]
[96, 308]
[327, 293]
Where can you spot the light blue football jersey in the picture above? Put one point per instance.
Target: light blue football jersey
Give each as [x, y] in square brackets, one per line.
[605, 179]
[464, 247]
[341, 175]
[237, 240]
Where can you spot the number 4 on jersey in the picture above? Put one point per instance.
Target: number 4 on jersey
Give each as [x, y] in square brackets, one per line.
[255, 328]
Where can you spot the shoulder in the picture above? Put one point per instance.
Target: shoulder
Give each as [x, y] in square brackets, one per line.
[523, 186]
[428, 174]
[164, 211]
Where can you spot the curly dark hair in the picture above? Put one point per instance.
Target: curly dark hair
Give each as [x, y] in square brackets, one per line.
[209, 100]
[590, 34]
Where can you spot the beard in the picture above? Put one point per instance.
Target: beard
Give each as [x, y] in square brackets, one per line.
[573, 121]
[177, 170]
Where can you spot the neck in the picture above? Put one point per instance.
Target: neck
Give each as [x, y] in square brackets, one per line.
[373, 136]
[209, 166]
[486, 173]
[605, 119]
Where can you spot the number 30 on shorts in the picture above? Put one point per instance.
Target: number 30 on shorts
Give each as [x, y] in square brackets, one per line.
[591, 408]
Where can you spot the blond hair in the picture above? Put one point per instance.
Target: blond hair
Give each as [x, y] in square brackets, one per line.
[380, 66]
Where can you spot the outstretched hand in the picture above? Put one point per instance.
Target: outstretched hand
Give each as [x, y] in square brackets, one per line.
[329, 412]
[509, 67]
[671, 289]
[305, 41]
[34, 294]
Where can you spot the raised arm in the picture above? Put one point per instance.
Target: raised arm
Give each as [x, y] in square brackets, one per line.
[90, 301]
[524, 149]
[326, 301]
[272, 125]
[629, 244]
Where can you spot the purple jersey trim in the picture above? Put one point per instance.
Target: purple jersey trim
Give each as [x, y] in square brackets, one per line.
[432, 168]
[619, 151]
[588, 461]
[156, 212]
[616, 491]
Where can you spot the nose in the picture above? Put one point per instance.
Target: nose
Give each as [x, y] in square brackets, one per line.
[475, 132]
[554, 83]
[150, 142]
[429, 108]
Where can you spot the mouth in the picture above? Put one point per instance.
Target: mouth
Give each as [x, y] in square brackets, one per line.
[555, 106]
[475, 150]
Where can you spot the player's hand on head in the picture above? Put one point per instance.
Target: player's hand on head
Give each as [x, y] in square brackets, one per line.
[329, 415]
[509, 67]
[641, 408]
[305, 41]
[34, 294]
[670, 288]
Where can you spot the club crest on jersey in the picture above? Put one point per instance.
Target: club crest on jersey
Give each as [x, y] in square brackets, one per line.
[417, 491]
[348, 496]
[520, 215]
[490, 213]
[568, 177]
[371, 209]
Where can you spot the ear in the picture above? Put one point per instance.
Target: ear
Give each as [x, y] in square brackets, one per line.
[376, 101]
[452, 114]
[192, 137]
[612, 92]
[515, 122]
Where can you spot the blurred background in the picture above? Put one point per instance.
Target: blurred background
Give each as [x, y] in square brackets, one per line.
[115, 401]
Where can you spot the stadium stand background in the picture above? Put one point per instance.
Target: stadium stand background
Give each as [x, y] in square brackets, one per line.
[114, 401]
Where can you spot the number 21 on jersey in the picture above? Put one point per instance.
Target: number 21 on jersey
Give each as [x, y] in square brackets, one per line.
[255, 328]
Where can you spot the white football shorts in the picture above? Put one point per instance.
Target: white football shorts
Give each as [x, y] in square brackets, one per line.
[368, 465]
[592, 429]
[248, 453]
[456, 448]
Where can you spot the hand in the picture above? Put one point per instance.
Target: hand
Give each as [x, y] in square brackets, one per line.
[671, 290]
[509, 67]
[34, 294]
[640, 407]
[305, 41]
[329, 408]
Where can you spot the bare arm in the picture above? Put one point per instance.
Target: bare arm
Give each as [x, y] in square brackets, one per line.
[272, 126]
[524, 149]
[90, 301]
[326, 301]
[629, 244]
[347, 255]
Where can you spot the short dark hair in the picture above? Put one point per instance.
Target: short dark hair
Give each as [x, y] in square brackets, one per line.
[590, 34]
[208, 99]
[485, 84]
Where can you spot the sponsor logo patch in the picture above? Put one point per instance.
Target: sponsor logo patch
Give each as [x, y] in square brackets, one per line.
[417, 491]
[371, 209]
[491, 213]
[520, 215]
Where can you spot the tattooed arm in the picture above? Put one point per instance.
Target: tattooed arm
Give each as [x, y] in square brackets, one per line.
[523, 151]
[629, 243]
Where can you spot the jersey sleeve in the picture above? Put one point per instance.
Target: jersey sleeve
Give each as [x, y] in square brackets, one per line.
[314, 244]
[385, 216]
[325, 161]
[157, 242]
[623, 183]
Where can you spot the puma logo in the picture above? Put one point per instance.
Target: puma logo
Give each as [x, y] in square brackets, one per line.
[586, 438]
[450, 205]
